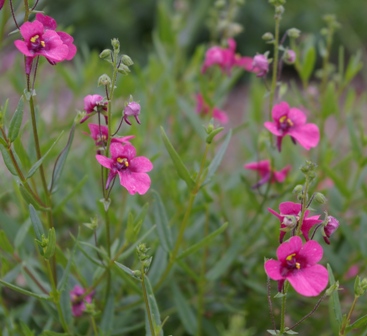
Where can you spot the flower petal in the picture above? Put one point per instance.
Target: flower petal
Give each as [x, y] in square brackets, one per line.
[280, 110]
[308, 223]
[289, 208]
[297, 117]
[272, 269]
[263, 167]
[134, 182]
[307, 135]
[311, 252]
[293, 245]
[273, 128]
[140, 164]
[220, 115]
[104, 161]
[310, 281]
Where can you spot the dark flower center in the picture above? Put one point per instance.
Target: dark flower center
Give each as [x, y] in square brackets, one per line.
[291, 264]
[121, 163]
[285, 123]
[36, 43]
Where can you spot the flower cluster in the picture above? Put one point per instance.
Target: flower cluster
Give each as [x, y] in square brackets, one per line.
[40, 38]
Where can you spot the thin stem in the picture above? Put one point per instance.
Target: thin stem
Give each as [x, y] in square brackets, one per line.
[275, 65]
[26, 10]
[284, 303]
[13, 14]
[34, 6]
[146, 301]
[94, 325]
[347, 320]
[303, 206]
[270, 304]
[55, 297]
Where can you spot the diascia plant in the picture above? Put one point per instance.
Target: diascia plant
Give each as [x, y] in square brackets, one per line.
[121, 226]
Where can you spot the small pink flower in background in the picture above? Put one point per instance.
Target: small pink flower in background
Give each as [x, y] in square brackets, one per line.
[131, 169]
[203, 108]
[132, 109]
[99, 134]
[260, 65]
[1, 4]
[266, 172]
[94, 104]
[292, 121]
[289, 56]
[330, 228]
[290, 215]
[78, 307]
[297, 264]
[352, 272]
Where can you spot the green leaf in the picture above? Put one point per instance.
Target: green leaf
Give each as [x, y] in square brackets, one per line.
[218, 158]
[179, 165]
[40, 161]
[25, 329]
[16, 121]
[185, 312]
[60, 161]
[51, 245]
[153, 307]
[25, 292]
[354, 66]
[65, 304]
[329, 103]
[53, 333]
[340, 183]
[28, 197]
[134, 224]
[7, 160]
[65, 276]
[107, 318]
[361, 322]
[5, 243]
[308, 63]
[335, 303]
[37, 225]
[163, 228]
[22, 232]
[203, 242]
[128, 271]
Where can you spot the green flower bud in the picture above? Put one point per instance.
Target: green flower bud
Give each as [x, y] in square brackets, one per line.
[104, 80]
[293, 32]
[123, 69]
[106, 54]
[320, 198]
[126, 60]
[116, 45]
[279, 10]
[298, 189]
[332, 288]
[268, 36]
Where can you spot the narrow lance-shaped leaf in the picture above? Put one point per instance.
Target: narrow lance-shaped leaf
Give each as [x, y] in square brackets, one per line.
[361, 322]
[308, 64]
[16, 121]
[7, 160]
[40, 161]
[23, 291]
[335, 297]
[37, 225]
[5, 243]
[60, 161]
[107, 318]
[153, 307]
[51, 245]
[163, 228]
[203, 242]
[218, 158]
[179, 165]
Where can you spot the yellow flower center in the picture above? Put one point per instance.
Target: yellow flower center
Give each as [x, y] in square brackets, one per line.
[123, 161]
[285, 120]
[290, 257]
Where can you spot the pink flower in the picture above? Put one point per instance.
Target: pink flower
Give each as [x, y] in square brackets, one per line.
[260, 65]
[292, 121]
[289, 56]
[1, 4]
[132, 109]
[266, 172]
[297, 263]
[94, 104]
[289, 217]
[78, 306]
[330, 228]
[41, 39]
[50, 23]
[99, 134]
[131, 170]
[203, 108]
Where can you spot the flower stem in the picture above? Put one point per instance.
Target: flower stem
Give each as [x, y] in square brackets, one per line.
[284, 303]
[347, 320]
[303, 206]
[146, 301]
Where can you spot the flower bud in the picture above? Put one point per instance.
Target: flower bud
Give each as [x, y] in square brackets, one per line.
[104, 80]
[290, 221]
[125, 59]
[261, 64]
[132, 109]
[298, 189]
[293, 32]
[268, 36]
[330, 227]
[289, 56]
[123, 69]
[332, 288]
[279, 10]
[106, 54]
[116, 45]
[360, 287]
[320, 198]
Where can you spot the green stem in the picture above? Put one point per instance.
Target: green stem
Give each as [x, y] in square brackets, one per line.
[26, 10]
[146, 301]
[304, 206]
[282, 313]
[94, 325]
[56, 297]
[347, 320]
[275, 65]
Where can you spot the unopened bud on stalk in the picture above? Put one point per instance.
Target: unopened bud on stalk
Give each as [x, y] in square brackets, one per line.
[106, 54]
[320, 198]
[298, 189]
[289, 56]
[268, 36]
[293, 32]
[116, 45]
[279, 10]
[104, 80]
[126, 60]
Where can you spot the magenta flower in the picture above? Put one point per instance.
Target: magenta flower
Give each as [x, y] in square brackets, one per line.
[289, 217]
[94, 104]
[292, 121]
[1, 4]
[297, 264]
[99, 134]
[50, 23]
[78, 305]
[132, 109]
[203, 108]
[289, 56]
[330, 228]
[260, 65]
[267, 173]
[131, 170]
